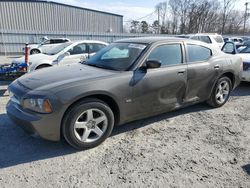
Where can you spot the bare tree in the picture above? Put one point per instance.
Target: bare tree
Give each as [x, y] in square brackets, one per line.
[175, 10]
[228, 5]
[162, 9]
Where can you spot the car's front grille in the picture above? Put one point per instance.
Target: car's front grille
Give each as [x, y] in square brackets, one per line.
[246, 66]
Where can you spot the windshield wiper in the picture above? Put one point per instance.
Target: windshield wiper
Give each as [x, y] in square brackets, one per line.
[98, 66]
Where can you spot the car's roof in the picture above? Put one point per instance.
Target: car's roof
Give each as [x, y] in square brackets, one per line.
[149, 40]
[58, 39]
[88, 41]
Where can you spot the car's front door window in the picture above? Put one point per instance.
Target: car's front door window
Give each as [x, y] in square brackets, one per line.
[78, 49]
[167, 55]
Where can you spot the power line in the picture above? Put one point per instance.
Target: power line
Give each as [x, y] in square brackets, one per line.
[141, 17]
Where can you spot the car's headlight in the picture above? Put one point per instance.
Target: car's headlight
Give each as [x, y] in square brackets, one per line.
[37, 105]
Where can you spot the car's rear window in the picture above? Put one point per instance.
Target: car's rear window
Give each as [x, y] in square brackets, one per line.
[218, 39]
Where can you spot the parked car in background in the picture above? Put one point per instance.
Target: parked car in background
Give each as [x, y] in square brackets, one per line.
[212, 39]
[66, 53]
[46, 45]
[237, 40]
[244, 53]
[128, 80]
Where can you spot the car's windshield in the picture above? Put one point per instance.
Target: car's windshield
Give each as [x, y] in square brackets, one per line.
[245, 49]
[117, 56]
[57, 49]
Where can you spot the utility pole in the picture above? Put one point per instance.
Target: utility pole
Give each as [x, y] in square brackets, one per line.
[245, 18]
[158, 10]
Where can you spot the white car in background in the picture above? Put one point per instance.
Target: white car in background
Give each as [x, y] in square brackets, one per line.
[212, 39]
[46, 45]
[244, 53]
[66, 53]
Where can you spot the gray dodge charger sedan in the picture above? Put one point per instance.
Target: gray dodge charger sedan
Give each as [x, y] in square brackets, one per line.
[128, 80]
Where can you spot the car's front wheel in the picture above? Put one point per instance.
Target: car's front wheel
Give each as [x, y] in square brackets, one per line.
[221, 92]
[88, 123]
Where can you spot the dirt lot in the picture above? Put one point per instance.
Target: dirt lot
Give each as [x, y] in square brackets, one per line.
[193, 147]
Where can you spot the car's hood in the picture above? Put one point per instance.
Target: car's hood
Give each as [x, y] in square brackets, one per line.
[34, 58]
[62, 76]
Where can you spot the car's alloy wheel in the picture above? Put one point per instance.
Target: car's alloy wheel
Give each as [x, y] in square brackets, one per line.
[221, 92]
[88, 123]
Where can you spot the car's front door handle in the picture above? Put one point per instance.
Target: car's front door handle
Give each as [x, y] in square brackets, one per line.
[216, 67]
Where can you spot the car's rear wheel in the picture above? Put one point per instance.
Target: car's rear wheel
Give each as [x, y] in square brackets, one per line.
[221, 92]
[88, 123]
[34, 51]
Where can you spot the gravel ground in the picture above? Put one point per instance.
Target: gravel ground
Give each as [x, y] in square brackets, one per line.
[193, 147]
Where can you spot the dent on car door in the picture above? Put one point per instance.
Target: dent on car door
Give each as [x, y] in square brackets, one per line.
[160, 89]
[202, 71]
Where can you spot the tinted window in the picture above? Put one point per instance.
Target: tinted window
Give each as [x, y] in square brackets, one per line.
[205, 39]
[246, 50]
[78, 49]
[195, 38]
[198, 53]
[169, 54]
[228, 48]
[93, 48]
[218, 39]
[47, 42]
[56, 41]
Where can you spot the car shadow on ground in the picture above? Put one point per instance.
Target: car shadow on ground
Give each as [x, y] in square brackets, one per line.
[246, 168]
[242, 90]
[17, 147]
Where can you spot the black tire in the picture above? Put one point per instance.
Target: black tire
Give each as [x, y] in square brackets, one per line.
[213, 100]
[35, 51]
[72, 115]
[43, 66]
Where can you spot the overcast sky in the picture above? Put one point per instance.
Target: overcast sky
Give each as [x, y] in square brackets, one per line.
[130, 9]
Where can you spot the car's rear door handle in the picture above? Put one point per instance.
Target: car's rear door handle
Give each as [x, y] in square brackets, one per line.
[217, 67]
[181, 72]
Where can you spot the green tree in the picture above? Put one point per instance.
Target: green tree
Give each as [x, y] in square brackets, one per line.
[155, 26]
[144, 27]
[134, 26]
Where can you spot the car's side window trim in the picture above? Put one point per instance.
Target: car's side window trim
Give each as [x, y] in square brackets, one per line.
[162, 44]
[193, 62]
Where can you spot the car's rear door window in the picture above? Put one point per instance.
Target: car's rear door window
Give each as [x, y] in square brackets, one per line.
[205, 39]
[78, 49]
[218, 39]
[167, 55]
[198, 53]
[95, 47]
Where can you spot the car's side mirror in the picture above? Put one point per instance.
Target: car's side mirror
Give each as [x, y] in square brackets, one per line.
[60, 57]
[229, 48]
[152, 64]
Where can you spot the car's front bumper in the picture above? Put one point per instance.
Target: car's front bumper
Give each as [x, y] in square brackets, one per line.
[245, 76]
[46, 126]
